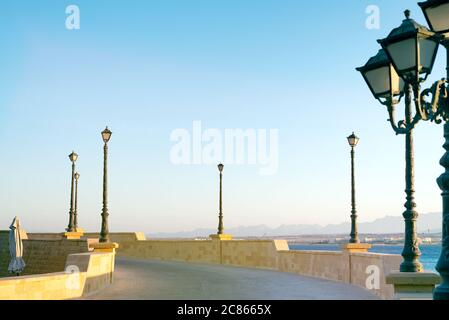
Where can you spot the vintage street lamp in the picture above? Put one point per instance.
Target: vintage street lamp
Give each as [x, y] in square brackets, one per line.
[386, 86]
[104, 234]
[75, 212]
[436, 13]
[73, 157]
[437, 16]
[382, 78]
[412, 49]
[353, 140]
[220, 214]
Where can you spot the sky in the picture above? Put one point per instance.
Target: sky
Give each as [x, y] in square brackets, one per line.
[147, 69]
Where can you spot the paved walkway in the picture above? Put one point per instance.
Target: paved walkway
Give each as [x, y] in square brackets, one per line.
[157, 280]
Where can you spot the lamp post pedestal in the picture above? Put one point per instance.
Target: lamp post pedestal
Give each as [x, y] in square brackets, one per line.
[104, 246]
[221, 237]
[72, 235]
[356, 247]
[413, 285]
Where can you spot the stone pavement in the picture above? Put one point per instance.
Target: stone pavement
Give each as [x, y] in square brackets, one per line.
[157, 280]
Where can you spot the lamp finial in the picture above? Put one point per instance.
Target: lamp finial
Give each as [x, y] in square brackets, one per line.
[407, 14]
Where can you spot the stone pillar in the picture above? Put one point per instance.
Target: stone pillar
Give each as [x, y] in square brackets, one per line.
[218, 238]
[72, 235]
[104, 246]
[348, 249]
[222, 237]
[413, 285]
[356, 247]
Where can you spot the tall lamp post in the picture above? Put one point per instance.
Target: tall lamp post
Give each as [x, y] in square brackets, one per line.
[393, 73]
[353, 140]
[104, 234]
[411, 49]
[437, 16]
[75, 212]
[220, 213]
[73, 157]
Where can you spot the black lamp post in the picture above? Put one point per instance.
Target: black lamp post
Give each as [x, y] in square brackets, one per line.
[437, 16]
[73, 157]
[386, 86]
[412, 49]
[75, 212]
[104, 234]
[353, 140]
[220, 214]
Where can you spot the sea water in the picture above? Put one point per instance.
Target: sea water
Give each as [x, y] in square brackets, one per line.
[429, 253]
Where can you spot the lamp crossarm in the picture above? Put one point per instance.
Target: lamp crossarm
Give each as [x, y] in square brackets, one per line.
[400, 127]
[435, 110]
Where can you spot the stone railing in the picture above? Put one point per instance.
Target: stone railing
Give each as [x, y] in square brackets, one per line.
[114, 237]
[353, 268]
[46, 256]
[341, 266]
[86, 273]
[41, 256]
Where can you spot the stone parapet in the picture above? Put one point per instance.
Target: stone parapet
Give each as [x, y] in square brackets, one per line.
[413, 285]
[84, 274]
[356, 247]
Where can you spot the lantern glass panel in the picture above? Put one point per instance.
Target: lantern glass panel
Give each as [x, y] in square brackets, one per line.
[438, 16]
[403, 54]
[379, 80]
[397, 84]
[427, 53]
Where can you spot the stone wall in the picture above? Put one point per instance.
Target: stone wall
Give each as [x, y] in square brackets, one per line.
[46, 256]
[273, 255]
[45, 236]
[40, 256]
[202, 251]
[118, 237]
[93, 272]
[320, 264]
[265, 254]
[4, 253]
[113, 236]
[385, 264]
[252, 253]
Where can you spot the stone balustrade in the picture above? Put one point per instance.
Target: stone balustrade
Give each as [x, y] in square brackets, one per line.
[85, 273]
[349, 267]
[344, 266]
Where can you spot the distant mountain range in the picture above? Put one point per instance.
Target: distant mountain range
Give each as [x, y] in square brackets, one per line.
[430, 222]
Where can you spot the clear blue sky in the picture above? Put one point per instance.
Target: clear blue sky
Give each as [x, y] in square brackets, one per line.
[145, 68]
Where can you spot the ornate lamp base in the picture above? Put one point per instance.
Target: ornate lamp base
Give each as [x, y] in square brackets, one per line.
[222, 237]
[356, 247]
[104, 246]
[413, 285]
[72, 235]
